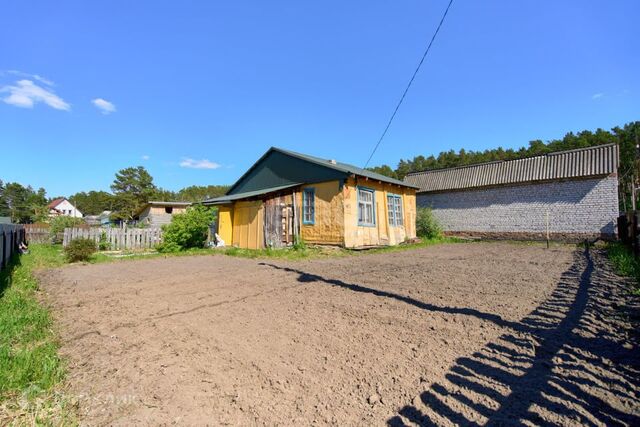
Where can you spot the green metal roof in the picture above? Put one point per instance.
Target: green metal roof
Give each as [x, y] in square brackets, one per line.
[239, 196]
[278, 167]
[345, 167]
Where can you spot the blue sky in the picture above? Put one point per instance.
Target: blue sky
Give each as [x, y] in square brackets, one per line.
[197, 91]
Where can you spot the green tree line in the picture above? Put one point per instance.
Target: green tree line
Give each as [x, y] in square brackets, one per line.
[131, 189]
[22, 204]
[627, 136]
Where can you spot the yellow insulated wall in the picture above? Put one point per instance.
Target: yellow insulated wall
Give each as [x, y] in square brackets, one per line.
[329, 214]
[382, 233]
[248, 228]
[225, 224]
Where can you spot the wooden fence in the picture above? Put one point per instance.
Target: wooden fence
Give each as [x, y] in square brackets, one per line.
[38, 233]
[10, 237]
[628, 232]
[116, 238]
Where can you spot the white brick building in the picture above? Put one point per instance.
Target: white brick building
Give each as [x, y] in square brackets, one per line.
[574, 193]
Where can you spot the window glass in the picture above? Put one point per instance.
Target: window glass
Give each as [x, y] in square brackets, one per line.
[308, 206]
[394, 209]
[366, 211]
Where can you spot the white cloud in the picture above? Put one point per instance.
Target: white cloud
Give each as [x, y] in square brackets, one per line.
[146, 157]
[597, 95]
[31, 76]
[198, 164]
[103, 105]
[25, 94]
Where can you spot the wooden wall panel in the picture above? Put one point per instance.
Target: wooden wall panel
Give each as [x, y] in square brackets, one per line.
[225, 224]
[329, 214]
[248, 229]
[382, 233]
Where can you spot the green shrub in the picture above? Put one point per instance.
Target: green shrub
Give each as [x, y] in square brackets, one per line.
[426, 224]
[104, 244]
[80, 249]
[187, 230]
[299, 244]
[59, 223]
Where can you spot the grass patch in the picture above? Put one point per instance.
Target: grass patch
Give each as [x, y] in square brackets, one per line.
[30, 369]
[299, 252]
[294, 253]
[624, 263]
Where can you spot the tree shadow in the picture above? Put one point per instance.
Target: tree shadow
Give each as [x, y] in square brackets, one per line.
[570, 371]
[304, 277]
[564, 363]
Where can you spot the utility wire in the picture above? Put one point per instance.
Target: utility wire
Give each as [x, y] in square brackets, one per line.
[410, 82]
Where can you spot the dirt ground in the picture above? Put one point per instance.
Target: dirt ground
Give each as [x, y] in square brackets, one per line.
[481, 333]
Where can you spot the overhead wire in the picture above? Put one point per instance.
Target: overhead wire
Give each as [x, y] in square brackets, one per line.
[415, 73]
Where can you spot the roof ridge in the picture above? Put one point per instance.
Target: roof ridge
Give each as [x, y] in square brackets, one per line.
[554, 153]
[598, 160]
[339, 166]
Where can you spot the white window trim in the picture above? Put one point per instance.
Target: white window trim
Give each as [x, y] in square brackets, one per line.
[373, 207]
[395, 210]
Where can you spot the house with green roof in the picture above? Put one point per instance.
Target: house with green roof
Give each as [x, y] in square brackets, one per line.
[285, 196]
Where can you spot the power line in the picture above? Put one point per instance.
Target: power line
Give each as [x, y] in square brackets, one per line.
[410, 82]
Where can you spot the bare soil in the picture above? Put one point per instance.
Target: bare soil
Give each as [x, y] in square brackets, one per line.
[481, 333]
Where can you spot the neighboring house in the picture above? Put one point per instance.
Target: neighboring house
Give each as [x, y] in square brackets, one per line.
[286, 194]
[105, 218]
[156, 214]
[5, 220]
[102, 220]
[573, 194]
[62, 207]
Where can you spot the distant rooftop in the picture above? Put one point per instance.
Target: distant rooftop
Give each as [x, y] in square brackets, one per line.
[158, 203]
[581, 162]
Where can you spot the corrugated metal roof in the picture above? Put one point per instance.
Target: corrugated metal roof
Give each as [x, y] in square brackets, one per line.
[238, 196]
[582, 162]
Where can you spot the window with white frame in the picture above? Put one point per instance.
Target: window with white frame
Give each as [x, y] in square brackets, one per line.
[308, 206]
[394, 209]
[366, 210]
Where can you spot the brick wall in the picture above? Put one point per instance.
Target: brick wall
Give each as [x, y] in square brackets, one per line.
[585, 207]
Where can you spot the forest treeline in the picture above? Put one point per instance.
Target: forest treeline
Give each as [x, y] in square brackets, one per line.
[627, 136]
[132, 187]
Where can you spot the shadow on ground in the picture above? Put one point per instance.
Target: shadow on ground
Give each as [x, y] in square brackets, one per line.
[572, 360]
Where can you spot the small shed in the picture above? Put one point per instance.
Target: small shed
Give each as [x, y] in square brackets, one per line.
[105, 218]
[157, 214]
[571, 195]
[286, 195]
